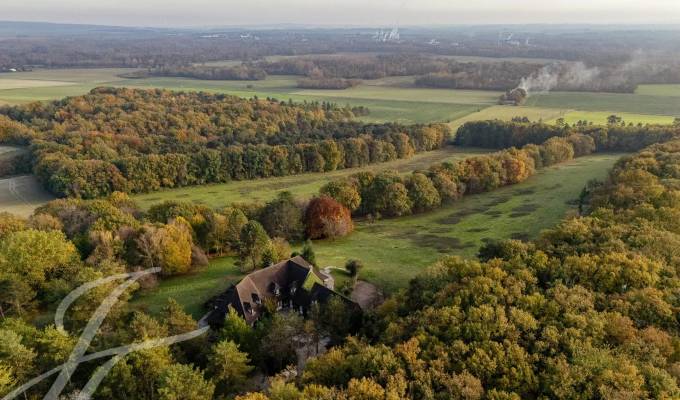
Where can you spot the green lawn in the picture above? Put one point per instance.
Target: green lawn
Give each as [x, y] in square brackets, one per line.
[191, 290]
[305, 185]
[395, 250]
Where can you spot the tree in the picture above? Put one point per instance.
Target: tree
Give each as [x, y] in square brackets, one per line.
[279, 343]
[614, 120]
[422, 193]
[183, 382]
[167, 247]
[326, 218]
[253, 244]
[308, 253]
[236, 329]
[344, 191]
[353, 267]
[282, 217]
[34, 257]
[229, 366]
[7, 380]
[397, 202]
[10, 223]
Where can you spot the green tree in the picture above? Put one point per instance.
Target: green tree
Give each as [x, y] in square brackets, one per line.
[422, 192]
[282, 217]
[229, 366]
[308, 253]
[253, 245]
[184, 382]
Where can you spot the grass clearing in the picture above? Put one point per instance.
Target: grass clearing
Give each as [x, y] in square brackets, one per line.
[395, 250]
[20, 195]
[305, 185]
[192, 291]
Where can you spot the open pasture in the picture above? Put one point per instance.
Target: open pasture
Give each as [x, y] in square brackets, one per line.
[304, 185]
[395, 250]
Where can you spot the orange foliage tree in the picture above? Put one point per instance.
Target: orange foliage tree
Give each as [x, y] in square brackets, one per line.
[326, 218]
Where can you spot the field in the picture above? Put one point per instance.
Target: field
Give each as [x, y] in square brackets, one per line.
[600, 117]
[305, 185]
[395, 250]
[651, 104]
[21, 195]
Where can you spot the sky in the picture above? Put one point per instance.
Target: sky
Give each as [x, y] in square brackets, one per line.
[205, 13]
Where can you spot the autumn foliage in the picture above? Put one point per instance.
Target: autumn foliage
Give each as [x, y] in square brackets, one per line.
[326, 218]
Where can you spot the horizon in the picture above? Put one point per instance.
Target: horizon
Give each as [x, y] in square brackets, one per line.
[350, 14]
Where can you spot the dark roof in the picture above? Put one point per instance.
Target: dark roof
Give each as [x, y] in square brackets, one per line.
[248, 296]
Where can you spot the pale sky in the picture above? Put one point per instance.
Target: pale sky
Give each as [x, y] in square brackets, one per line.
[180, 13]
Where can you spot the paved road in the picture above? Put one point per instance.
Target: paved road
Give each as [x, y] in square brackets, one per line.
[20, 195]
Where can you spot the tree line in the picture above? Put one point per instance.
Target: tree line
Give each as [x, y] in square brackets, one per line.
[616, 136]
[390, 194]
[138, 141]
[242, 72]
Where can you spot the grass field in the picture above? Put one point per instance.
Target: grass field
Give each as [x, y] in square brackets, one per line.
[191, 290]
[506, 113]
[600, 117]
[659, 90]
[609, 102]
[300, 185]
[395, 250]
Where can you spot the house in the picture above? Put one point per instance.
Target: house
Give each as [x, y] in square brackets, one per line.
[292, 285]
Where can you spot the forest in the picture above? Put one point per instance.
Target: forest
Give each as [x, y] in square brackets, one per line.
[143, 140]
[588, 309]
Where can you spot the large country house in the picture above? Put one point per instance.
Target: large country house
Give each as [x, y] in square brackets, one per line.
[292, 285]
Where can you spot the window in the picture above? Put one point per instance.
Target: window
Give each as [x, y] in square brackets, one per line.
[256, 299]
[248, 308]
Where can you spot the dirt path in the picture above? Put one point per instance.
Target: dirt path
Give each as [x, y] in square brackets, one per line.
[367, 295]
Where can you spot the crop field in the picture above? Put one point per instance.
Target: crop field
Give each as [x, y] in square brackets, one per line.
[659, 90]
[21, 195]
[653, 104]
[390, 99]
[600, 117]
[507, 113]
[395, 250]
[304, 185]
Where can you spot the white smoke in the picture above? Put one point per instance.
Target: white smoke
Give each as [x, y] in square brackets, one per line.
[642, 67]
[566, 75]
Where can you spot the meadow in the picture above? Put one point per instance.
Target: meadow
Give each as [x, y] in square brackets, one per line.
[395, 250]
[305, 185]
